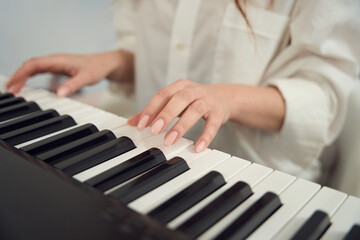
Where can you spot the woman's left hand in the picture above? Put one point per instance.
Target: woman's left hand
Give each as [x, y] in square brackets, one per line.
[191, 101]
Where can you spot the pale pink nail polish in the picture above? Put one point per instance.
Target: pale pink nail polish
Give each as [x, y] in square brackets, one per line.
[169, 139]
[143, 122]
[157, 126]
[200, 147]
[63, 91]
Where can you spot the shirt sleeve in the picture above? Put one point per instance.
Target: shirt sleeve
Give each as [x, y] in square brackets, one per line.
[124, 12]
[315, 74]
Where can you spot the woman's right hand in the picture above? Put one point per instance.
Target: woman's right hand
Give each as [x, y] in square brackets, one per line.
[82, 69]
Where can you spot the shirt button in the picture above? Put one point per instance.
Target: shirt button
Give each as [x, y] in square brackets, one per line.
[180, 46]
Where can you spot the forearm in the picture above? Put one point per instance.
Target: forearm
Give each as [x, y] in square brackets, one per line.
[255, 107]
[120, 65]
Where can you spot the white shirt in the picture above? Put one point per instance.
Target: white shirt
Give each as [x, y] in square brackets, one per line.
[309, 50]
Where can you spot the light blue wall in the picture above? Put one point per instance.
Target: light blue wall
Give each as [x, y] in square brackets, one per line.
[31, 28]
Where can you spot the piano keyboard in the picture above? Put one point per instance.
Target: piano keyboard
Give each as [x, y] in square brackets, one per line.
[92, 176]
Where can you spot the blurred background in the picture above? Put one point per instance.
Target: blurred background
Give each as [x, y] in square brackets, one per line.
[42, 27]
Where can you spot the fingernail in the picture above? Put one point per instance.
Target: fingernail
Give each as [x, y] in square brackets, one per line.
[63, 91]
[143, 122]
[157, 126]
[200, 147]
[169, 139]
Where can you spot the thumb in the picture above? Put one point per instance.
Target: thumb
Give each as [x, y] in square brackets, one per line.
[70, 86]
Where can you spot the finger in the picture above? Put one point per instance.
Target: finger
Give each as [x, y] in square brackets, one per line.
[133, 121]
[72, 85]
[212, 126]
[159, 101]
[176, 105]
[192, 114]
[32, 67]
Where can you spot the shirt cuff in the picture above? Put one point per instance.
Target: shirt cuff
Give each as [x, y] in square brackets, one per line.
[303, 134]
[126, 43]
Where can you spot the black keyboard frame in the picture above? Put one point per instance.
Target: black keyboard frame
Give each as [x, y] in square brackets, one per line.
[39, 201]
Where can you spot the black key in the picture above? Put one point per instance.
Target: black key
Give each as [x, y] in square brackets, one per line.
[69, 150]
[150, 180]
[252, 218]
[27, 120]
[127, 170]
[6, 96]
[354, 233]
[216, 210]
[188, 197]
[11, 101]
[314, 227]
[18, 110]
[60, 139]
[38, 130]
[96, 155]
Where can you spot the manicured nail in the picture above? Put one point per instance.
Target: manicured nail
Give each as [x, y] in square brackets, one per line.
[157, 126]
[200, 147]
[169, 139]
[143, 122]
[63, 91]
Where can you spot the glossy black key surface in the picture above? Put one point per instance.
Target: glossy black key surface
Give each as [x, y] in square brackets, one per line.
[27, 120]
[252, 218]
[38, 130]
[74, 148]
[150, 180]
[96, 155]
[127, 170]
[57, 140]
[11, 101]
[354, 233]
[314, 227]
[188, 197]
[18, 110]
[216, 210]
[6, 96]
[41, 202]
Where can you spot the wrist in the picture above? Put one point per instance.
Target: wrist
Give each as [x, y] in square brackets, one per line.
[254, 106]
[119, 65]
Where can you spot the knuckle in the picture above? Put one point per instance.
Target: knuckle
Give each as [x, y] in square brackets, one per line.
[163, 93]
[182, 81]
[198, 107]
[56, 55]
[181, 126]
[218, 111]
[168, 114]
[31, 63]
[184, 95]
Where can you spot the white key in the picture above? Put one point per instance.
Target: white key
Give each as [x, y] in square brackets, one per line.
[293, 199]
[87, 116]
[276, 182]
[235, 163]
[326, 200]
[189, 154]
[83, 117]
[170, 152]
[33, 94]
[133, 133]
[51, 102]
[108, 121]
[145, 144]
[344, 218]
[197, 169]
